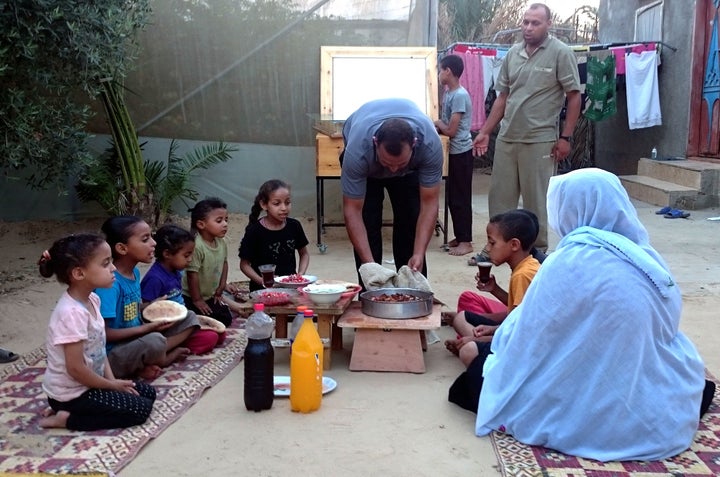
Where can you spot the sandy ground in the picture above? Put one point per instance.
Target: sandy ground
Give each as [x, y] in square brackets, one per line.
[385, 423]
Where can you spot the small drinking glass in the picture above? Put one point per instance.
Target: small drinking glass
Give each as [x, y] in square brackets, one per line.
[268, 275]
[484, 271]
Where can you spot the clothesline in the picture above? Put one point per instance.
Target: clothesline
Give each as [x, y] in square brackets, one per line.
[590, 46]
[601, 67]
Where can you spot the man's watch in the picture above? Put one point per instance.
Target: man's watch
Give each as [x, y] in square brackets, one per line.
[566, 138]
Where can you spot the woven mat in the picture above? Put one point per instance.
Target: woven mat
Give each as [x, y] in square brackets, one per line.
[25, 447]
[702, 459]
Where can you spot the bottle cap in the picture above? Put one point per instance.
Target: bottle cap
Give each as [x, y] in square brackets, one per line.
[301, 308]
[308, 313]
[259, 306]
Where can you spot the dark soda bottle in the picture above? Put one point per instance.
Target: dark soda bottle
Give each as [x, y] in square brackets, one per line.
[259, 361]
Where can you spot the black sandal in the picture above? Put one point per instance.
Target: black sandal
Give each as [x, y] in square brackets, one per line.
[7, 356]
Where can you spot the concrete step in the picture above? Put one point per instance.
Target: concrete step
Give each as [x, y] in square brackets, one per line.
[659, 192]
[703, 176]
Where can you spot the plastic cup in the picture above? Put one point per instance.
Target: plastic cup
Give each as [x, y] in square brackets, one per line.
[484, 271]
[268, 275]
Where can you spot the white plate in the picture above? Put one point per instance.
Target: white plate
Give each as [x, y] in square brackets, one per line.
[281, 385]
[308, 280]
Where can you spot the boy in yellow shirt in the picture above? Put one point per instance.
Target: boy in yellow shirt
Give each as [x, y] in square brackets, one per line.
[510, 238]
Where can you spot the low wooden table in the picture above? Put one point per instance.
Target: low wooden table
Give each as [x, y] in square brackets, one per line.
[388, 345]
[326, 317]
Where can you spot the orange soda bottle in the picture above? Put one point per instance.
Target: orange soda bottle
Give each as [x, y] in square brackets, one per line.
[306, 365]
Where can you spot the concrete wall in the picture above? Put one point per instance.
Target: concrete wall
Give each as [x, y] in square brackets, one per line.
[617, 148]
[236, 182]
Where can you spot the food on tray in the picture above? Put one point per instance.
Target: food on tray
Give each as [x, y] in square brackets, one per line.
[270, 298]
[294, 278]
[395, 297]
[164, 310]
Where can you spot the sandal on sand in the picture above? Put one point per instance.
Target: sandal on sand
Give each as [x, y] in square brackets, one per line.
[664, 210]
[677, 214]
[7, 356]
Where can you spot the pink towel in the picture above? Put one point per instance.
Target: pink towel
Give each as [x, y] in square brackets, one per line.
[621, 51]
[472, 81]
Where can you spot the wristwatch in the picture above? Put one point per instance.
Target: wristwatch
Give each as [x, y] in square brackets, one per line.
[565, 138]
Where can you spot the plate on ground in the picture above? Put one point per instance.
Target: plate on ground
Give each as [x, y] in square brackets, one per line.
[164, 310]
[281, 385]
[352, 288]
[294, 281]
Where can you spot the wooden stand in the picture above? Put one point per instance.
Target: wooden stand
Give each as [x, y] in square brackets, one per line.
[388, 345]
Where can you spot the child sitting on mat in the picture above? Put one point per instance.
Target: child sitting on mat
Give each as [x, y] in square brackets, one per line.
[173, 252]
[82, 390]
[510, 238]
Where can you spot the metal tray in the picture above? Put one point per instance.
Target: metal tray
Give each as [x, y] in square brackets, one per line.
[403, 310]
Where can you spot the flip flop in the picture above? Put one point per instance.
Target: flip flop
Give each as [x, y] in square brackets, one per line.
[664, 210]
[677, 214]
[7, 356]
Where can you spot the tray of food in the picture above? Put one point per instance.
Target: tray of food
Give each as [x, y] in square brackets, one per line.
[396, 303]
[294, 281]
[273, 296]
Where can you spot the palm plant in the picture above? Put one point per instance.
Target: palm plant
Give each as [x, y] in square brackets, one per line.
[122, 183]
[171, 181]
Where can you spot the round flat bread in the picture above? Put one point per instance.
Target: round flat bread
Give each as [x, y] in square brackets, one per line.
[207, 323]
[164, 310]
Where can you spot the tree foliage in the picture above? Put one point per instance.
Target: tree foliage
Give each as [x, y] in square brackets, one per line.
[52, 55]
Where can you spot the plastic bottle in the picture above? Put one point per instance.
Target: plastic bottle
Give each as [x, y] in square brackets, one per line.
[653, 153]
[259, 361]
[306, 365]
[297, 322]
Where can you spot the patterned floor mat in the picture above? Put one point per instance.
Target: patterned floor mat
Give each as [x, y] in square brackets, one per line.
[25, 447]
[702, 459]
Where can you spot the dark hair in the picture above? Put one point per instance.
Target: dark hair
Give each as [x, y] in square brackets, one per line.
[263, 195]
[67, 253]
[202, 209]
[171, 238]
[118, 229]
[392, 133]
[454, 63]
[533, 6]
[521, 224]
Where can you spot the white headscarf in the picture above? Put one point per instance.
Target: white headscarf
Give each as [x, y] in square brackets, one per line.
[592, 363]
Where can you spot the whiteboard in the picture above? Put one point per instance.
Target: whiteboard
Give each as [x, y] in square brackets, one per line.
[352, 76]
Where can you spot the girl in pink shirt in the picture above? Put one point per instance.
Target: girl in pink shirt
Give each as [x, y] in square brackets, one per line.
[82, 391]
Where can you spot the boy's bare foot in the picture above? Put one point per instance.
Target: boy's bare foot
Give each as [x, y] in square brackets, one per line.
[452, 243]
[55, 420]
[177, 354]
[453, 346]
[151, 372]
[462, 248]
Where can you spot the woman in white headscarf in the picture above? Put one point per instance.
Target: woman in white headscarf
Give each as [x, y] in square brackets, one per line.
[592, 363]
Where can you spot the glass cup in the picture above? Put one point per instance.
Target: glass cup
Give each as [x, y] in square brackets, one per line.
[268, 275]
[484, 271]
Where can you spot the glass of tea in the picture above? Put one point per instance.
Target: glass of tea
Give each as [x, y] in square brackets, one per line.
[268, 275]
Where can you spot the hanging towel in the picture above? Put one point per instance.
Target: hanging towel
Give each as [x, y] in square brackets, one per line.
[621, 51]
[600, 88]
[472, 81]
[643, 98]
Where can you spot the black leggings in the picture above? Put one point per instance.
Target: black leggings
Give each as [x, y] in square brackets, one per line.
[104, 409]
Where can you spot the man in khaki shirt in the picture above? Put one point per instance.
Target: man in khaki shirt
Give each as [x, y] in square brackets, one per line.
[535, 78]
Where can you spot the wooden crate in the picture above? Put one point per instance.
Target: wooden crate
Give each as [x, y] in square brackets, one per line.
[328, 149]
